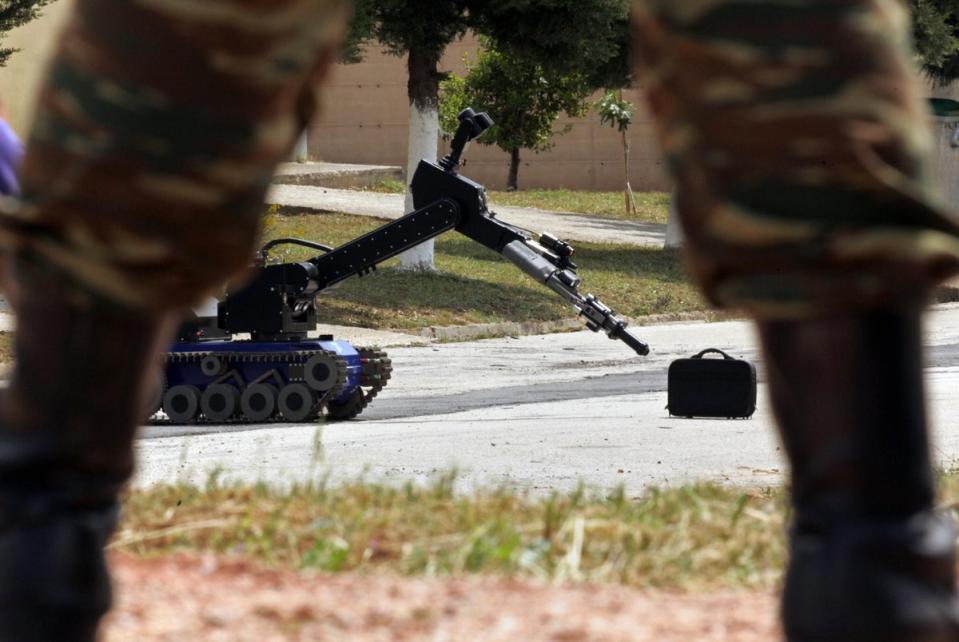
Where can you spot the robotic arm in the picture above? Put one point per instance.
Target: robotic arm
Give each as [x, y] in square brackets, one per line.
[546, 259]
[444, 200]
[565, 282]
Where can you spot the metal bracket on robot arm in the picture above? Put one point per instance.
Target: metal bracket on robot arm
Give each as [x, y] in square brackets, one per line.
[565, 283]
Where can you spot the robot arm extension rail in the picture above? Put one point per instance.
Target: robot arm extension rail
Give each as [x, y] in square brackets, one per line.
[362, 255]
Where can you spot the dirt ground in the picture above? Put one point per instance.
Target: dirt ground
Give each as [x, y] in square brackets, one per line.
[212, 599]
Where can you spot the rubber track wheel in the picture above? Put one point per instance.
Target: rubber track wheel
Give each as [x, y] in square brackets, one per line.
[258, 401]
[181, 403]
[349, 409]
[212, 365]
[296, 402]
[321, 372]
[220, 402]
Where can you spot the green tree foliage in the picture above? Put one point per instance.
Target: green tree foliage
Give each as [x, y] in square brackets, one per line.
[541, 58]
[421, 29]
[360, 31]
[936, 32]
[550, 54]
[14, 13]
[618, 113]
[523, 96]
[615, 112]
[589, 37]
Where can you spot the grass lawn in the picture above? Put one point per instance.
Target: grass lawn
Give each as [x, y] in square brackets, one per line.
[473, 284]
[652, 207]
[6, 346]
[699, 536]
[476, 285]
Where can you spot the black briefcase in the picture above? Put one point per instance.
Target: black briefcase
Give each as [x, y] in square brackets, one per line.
[700, 387]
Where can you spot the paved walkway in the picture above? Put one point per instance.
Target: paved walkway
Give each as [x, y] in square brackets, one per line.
[539, 412]
[573, 227]
[335, 174]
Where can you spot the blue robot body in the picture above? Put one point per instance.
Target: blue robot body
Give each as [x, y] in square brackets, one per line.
[295, 380]
[239, 353]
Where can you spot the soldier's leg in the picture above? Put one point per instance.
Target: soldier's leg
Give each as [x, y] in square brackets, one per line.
[66, 430]
[157, 135]
[870, 559]
[797, 135]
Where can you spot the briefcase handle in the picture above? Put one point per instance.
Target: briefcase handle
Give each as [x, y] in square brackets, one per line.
[713, 351]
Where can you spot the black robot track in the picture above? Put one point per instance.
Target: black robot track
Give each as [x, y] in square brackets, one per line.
[376, 370]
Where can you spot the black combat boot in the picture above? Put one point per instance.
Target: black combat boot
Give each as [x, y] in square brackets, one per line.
[871, 561]
[67, 424]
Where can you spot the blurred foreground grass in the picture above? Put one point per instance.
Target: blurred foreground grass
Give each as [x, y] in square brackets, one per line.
[699, 536]
[695, 537]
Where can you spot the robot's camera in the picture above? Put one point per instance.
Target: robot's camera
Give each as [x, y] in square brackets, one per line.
[472, 126]
[482, 122]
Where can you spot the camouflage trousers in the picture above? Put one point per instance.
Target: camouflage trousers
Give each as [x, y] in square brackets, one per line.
[795, 129]
[798, 136]
[158, 132]
[159, 128]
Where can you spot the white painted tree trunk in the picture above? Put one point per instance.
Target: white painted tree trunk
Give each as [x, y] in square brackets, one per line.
[424, 133]
[301, 150]
[674, 231]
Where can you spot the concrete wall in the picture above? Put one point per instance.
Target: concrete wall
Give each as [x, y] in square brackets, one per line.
[364, 120]
[20, 78]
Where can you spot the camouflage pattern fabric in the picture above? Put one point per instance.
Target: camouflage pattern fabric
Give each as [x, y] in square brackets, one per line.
[798, 136]
[159, 128]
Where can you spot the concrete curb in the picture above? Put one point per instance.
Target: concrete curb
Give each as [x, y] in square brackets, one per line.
[942, 294]
[492, 330]
[338, 176]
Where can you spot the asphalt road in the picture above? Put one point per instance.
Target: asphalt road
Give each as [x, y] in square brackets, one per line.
[539, 412]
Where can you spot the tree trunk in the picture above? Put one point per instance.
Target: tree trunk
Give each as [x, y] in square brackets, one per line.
[674, 231]
[512, 183]
[630, 201]
[301, 150]
[423, 91]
